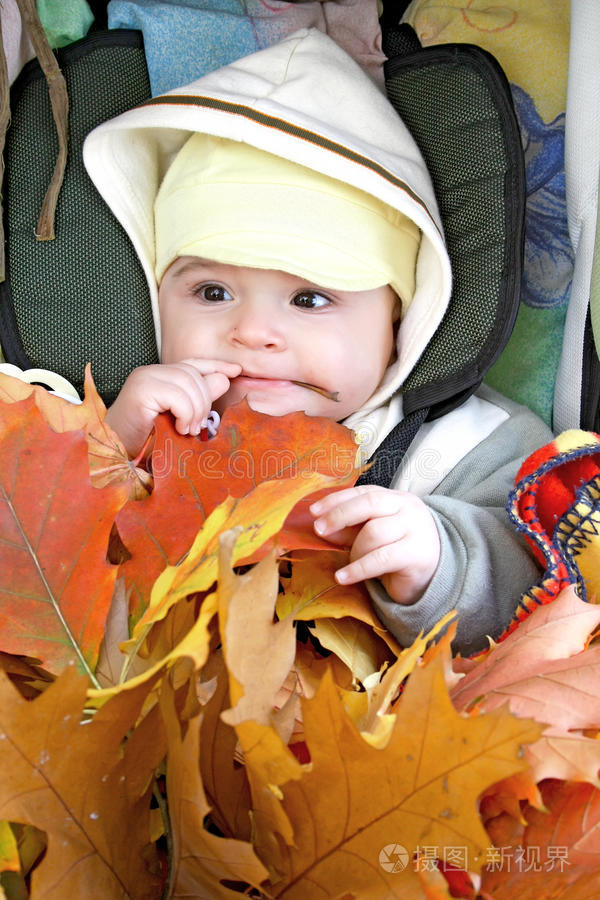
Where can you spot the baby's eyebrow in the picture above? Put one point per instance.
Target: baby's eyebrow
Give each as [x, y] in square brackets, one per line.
[191, 265]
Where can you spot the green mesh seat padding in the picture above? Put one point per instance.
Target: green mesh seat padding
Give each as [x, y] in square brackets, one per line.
[456, 101]
[83, 296]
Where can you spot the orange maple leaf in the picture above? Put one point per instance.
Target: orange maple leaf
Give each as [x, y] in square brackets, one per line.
[55, 582]
[108, 458]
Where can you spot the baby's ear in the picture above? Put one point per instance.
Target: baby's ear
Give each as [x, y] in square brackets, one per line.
[397, 310]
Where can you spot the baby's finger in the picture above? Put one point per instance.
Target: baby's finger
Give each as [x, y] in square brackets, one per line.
[324, 504]
[201, 389]
[185, 409]
[356, 508]
[378, 532]
[210, 366]
[380, 561]
[343, 538]
[216, 385]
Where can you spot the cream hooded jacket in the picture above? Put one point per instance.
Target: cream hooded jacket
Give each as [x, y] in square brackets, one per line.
[305, 99]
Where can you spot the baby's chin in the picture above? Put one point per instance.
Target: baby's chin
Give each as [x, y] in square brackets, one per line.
[271, 407]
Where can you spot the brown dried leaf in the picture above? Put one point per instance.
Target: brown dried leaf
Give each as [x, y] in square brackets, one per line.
[224, 779]
[257, 670]
[202, 861]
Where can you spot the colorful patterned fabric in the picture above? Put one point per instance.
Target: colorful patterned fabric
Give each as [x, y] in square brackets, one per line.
[556, 506]
[530, 40]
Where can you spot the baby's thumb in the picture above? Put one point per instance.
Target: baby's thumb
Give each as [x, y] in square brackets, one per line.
[216, 384]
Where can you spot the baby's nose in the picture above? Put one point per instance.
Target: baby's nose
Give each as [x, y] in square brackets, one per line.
[257, 329]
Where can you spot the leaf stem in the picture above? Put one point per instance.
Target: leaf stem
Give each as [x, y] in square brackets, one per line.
[129, 660]
[330, 395]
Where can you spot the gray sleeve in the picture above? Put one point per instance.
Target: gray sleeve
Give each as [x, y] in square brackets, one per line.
[485, 564]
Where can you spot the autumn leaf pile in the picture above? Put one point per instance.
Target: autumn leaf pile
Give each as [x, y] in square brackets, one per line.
[191, 707]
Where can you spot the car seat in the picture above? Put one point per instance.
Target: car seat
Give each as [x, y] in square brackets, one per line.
[82, 296]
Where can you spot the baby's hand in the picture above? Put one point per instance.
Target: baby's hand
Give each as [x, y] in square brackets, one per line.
[186, 389]
[396, 539]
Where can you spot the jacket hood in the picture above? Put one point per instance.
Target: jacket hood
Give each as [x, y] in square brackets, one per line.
[304, 99]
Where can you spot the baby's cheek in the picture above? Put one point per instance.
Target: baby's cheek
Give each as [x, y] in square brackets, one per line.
[358, 386]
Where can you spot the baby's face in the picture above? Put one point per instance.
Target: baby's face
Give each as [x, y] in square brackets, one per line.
[280, 329]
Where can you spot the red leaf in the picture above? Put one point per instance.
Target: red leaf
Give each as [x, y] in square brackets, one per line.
[556, 854]
[191, 478]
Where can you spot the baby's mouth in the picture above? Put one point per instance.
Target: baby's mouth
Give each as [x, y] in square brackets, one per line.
[324, 392]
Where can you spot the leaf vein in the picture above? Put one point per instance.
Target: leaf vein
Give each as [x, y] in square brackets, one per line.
[49, 591]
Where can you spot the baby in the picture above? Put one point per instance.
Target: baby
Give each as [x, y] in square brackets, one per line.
[290, 237]
[276, 337]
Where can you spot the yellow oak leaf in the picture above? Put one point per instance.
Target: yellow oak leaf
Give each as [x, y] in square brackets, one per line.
[269, 502]
[354, 643]
[313, 593]
[422, 788]
[21, 847]
[73, 779]
[381, 694]
[194, 646]
[9, 853]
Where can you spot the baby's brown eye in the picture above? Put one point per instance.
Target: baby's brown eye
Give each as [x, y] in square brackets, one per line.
[310, 300]
[213, 293]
